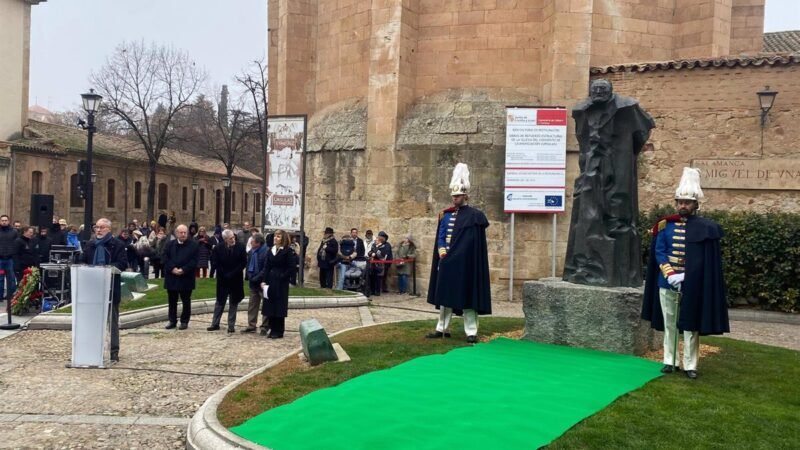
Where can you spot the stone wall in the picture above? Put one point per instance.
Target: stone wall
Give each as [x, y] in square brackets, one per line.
[704, 113]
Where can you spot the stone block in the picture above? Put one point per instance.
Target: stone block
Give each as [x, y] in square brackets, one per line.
[557, 312]
[316, 345]
[125, 293]
[134, 281]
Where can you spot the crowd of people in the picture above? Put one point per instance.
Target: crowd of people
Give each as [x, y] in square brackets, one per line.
[339, 256]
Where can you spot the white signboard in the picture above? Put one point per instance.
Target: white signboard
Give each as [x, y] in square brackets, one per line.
[283, 204]
[536, 160]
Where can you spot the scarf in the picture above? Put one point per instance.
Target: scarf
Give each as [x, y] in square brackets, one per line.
[253, 266]
[100, 250]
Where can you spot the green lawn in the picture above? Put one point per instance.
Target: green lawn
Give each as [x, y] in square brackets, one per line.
[205, 289]
[747, 395]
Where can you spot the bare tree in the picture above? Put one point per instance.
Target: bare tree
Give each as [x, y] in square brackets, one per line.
[144, 87]
[223, 132]
[104, 122]
[255, 81]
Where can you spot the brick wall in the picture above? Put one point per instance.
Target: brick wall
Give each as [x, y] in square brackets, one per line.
[714, 113]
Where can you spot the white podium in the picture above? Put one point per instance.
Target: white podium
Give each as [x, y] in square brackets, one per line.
[91, 304]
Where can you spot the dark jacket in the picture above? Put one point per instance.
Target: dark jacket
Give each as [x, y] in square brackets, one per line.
[57, 236]
[704, 304]
[461, 279]
[25, 254]
[116, 253]
[262, 258]
[41, 246]
[231, 262]
[276, 273]
[183, 256]
[8, 246]
[327, 252]
[203, 250]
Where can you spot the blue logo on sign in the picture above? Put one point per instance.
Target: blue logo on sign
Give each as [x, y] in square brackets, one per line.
[552, 200]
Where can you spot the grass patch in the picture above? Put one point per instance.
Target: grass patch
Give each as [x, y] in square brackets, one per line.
[371, 349]
[747, 395]
[206, 288]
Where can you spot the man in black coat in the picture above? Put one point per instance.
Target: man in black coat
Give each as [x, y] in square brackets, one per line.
[25, 252]
[231, 260]
[106, 250]
[460, 267]
[180, 261]
[58, 232]
[685, 287]
[42, 244]
[326, 258]
[8, 238]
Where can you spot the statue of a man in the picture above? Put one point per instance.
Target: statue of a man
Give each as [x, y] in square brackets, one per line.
[604, 243]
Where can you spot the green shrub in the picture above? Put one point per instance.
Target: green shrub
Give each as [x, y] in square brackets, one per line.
[760, 253]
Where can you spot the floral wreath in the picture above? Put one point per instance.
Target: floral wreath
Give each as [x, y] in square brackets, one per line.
[27, 291]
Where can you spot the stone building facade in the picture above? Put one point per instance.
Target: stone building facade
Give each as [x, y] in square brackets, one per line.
[398, 91]
[45, 161]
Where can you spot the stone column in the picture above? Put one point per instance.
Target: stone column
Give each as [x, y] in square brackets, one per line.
[15, 40]
[292, 36]
[702, 28]
[390, 92]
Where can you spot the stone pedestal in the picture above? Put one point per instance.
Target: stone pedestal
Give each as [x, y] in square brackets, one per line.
[557, 312]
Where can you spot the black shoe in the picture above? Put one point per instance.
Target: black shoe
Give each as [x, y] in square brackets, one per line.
[263, 332]
[249, 330]
[691, 374]
[437, 335]
[183, 326]
[170, 326]
[212, 328]
[668, 368]
[472, 339]
[231, 330]
[275, 336]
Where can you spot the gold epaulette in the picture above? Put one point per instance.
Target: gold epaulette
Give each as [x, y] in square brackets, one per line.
[662, 224]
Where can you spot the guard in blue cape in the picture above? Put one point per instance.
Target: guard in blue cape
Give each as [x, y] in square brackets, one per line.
[460, 268]
[685, 289]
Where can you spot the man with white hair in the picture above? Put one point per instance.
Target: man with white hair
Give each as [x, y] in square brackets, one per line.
[231, 260]
[106, 250]
[180, 261]
[685, 287]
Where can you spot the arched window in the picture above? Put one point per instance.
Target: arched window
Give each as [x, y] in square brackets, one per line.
[75, 200]
[233, 200]
[36, 182]
[202, 199]
[258, 202]
[246, 201]
[162, 196]
[184, 198]
[137, 195]
[111, 193]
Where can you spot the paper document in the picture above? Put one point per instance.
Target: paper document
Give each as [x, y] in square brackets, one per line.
[266, 288]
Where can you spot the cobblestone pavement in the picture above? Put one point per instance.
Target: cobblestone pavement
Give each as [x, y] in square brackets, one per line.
[165, 375]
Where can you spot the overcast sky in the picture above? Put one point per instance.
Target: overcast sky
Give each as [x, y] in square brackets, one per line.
[70, 38]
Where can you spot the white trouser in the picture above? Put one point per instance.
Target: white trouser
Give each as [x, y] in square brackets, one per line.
[691, 339]
[470, 321]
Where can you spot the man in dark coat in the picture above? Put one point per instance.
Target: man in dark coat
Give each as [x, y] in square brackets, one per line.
[180, 261]
[604, 245]
[42, 244]
[58, 232]
[326, 258]
[685, 288]
[106, 250]
[231, 260]
[25, 252]
[8, 239]
[255, 262]
[460, 268]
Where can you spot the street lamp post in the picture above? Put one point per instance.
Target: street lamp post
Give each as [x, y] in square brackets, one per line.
[194, 200]
[226, 215]
[91, 101]
[254, 190]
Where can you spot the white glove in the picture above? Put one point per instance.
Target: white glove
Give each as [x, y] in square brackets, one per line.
[675, 280]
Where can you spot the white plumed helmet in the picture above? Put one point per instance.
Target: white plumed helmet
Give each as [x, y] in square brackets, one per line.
[459, 184]
[689, 187]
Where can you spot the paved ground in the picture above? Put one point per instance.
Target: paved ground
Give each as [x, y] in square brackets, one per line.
[164, 376]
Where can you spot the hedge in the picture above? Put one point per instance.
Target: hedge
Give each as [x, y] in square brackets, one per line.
[760, 253]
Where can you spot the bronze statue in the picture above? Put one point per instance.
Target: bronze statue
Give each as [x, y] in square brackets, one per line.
[604, 243]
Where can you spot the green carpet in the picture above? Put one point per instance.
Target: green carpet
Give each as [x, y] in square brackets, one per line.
[505, 394]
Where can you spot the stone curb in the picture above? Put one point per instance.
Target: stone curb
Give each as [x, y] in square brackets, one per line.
[206, 433]
[757, 315]
[95, 419]
[135, 319]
